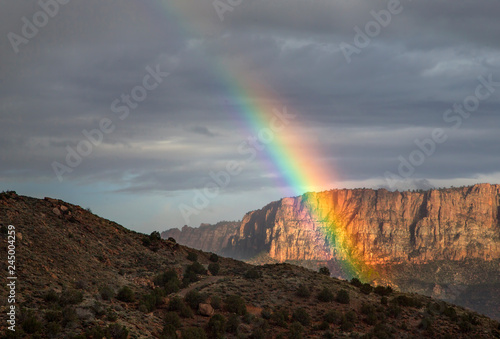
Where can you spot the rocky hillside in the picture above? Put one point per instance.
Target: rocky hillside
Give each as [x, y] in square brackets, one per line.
[81, 276]
[387, 230]
[206, 237]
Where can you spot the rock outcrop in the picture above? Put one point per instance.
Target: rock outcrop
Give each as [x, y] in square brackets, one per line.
[376, 225]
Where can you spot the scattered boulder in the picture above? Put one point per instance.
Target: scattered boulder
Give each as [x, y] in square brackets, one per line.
[206, 310]
[56, 211]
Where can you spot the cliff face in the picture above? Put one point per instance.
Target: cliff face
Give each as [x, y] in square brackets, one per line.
[376, 225]
[209, 238]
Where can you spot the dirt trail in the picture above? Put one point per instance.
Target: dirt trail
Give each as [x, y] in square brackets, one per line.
[182, 293]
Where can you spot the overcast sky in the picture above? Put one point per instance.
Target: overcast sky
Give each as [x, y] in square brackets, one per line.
[360, 100]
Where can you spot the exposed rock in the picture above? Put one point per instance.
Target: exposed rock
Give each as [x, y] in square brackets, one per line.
[206, 310]
[57, 211]
[63, 208]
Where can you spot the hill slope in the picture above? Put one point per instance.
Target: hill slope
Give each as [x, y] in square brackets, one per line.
[81, 276]
[444, 243]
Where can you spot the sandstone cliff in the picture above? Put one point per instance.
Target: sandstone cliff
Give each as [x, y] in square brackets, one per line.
[376, 225]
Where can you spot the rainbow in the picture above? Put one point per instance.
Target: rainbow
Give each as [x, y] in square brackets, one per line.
[291, 153]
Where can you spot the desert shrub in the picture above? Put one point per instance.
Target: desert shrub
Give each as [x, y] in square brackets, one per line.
[214, 268]
[70, 297]
[172, 318]
[213, 257]
[406, 301]
[153, 299]
[197, 268]
[296, 330]
[371, 319]
[425, 324]
[257, 333]
[163, 278]
[106, 292]
[111, 315]
[155, 236]
[471, 318]
[324, 271]
[384, 300]
[235, 304]
[193, 333]
[172, 240]
[172, 286]
[383, 291]
[266, 314]
[51, 296]
[366, 288]
[232, 323]
[69, 316]
[345, 324]
[193, 298]
[53, 316]
[125, 294]
[356, 282]
[394, 311]
[451, 313]
[30, 323]
[248, 318]
[303, 291]
[216, 302]
[326, 295]
[53, 329]
[117, 331]
[192, 256]
[280, 317]
[302, 316]
[323, 326]
[351, 316]
[332, 317]
[176, 304]
[216, 327]
[382, 331]
[465, 326]
[168, 332]
[253, 274]
[343, 297]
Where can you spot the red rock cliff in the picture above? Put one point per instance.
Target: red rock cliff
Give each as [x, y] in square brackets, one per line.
[380, 226]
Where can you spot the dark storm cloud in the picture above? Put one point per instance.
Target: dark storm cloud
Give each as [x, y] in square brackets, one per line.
[365, 113]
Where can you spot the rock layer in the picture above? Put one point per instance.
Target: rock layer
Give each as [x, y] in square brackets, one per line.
[377, 225]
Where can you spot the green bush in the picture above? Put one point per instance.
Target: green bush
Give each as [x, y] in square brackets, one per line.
[176, 304]
[425, 324]
[117, 331]
[366, 288]
[302, 316]
[30, 324]
[356, 282]
[192, 256]
[53, 316]
[394, 311]
[126, 294]
[383, 291]
[70, 297]
[193, 298]
[253, 274]
[345, 324]
[343, 297]
[280, 317]
[257, 333]
[296, 330]
[153, 300]
[213, 257]
[164, 278]
[172, 318]
[324, 271]
[235, 304]
[106, 292]
[332, 317]
[51, 296]
[406, 301]
[216, 327]
[384, 300]
[232, 323]
[216, 302]
[325, 295]
[214, 268]
[193, 333]
[303, 291]
[266, 313]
